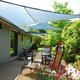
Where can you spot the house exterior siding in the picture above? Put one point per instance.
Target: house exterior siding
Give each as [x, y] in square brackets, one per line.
[5, 41]
[4, 44]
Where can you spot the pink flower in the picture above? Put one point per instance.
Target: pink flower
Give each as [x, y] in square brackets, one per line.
[58, 76]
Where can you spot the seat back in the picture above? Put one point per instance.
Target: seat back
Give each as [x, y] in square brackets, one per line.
[55, 64]
[57, 60]
[46, 50]
[48, 47]
[24, 52]
[27, 53]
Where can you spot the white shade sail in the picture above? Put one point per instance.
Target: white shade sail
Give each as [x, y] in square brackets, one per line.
[42, 16]
[37, 33]
[42, 26]
[21, 15]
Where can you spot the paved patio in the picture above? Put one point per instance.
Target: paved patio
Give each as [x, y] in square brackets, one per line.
[12, 69]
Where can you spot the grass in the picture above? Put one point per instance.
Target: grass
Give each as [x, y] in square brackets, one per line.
[40, 49]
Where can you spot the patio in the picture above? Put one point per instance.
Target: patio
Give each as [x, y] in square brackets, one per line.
[12, 69]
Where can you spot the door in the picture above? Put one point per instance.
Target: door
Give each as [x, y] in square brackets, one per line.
[13, 43]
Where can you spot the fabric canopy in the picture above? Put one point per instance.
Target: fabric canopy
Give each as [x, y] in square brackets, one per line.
[42, 26]
[37, 33]
[21, 15]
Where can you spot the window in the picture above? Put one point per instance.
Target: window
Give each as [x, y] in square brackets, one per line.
[13, 43]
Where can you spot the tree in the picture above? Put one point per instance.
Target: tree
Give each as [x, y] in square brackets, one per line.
[60, 8]
[71, 37]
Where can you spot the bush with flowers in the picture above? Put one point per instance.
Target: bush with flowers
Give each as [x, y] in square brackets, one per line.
[62, 73]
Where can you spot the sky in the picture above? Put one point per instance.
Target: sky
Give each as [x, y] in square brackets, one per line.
[47, 4]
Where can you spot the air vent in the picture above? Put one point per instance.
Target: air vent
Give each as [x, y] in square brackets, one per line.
[0, 25]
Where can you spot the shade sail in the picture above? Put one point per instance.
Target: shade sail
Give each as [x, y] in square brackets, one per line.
[42, 26]
[15, 14]
[42, 16]
[21, 15]
[37, 33]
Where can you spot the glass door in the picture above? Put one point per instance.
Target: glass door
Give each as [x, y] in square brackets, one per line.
[13, 43]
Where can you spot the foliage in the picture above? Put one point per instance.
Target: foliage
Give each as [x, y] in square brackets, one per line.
[71, 37]
[37, 40]
[60, 8]
[77, 64]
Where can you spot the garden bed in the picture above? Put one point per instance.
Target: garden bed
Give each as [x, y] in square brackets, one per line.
[69, 72]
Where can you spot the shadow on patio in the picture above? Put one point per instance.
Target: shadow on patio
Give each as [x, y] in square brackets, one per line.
[11, 70]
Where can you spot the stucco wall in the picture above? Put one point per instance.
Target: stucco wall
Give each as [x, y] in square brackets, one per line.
[4, 44]
[5, 41]
[25, 44]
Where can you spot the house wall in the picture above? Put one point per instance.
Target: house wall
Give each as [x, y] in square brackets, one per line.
[25, 44]
[5, 42]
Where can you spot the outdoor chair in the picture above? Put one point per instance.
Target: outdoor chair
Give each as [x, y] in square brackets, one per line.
[56, 62]
[37, 60]
[28, 54]
[45, 53]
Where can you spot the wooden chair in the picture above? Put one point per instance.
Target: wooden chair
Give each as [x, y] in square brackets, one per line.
[55, 64]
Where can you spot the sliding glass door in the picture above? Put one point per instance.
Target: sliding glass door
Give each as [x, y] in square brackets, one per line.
[13, 43]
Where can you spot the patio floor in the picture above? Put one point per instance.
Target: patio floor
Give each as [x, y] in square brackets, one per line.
[9, 70]
[12, 69]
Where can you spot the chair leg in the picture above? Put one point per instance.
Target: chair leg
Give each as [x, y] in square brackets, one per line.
[26, 62]
[22, 69]
[32, 59]
[42, 59]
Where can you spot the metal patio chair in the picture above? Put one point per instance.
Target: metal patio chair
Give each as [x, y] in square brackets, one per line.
[37, 59]
[28, 54]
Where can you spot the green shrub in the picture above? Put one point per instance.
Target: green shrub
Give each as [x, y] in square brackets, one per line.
[69, 58]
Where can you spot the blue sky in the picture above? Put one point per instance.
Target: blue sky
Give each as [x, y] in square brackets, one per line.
[47, 4]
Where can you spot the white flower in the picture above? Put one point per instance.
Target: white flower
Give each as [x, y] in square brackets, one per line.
[53, 72]
[73, 72]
